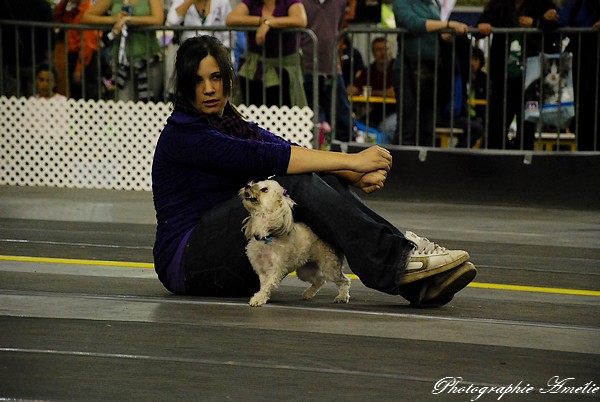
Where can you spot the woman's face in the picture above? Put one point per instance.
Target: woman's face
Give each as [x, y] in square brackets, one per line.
[209, 87]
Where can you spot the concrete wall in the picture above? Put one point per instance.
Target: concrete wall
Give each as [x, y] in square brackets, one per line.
[500, 178]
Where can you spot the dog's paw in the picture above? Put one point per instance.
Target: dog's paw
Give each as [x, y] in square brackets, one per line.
[309, 293]
[257, 300]
[342, 298]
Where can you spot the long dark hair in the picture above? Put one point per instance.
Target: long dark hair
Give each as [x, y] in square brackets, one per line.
[189, 56]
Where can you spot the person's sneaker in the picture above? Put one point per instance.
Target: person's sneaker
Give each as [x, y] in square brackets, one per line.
[428, 259]
[439, 289]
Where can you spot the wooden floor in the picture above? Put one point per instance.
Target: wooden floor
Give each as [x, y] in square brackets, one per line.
[83, 317]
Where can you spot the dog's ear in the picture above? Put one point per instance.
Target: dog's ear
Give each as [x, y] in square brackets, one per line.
[287, 199]
[288, 218]
[285, 217]
[289, 202]
[255, 226]
[246, 228]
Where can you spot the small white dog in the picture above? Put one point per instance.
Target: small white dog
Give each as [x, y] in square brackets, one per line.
[277, 245]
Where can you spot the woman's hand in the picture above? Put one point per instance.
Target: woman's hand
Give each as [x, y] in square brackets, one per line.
[263, 29]
[459, 27]
[551, 15]
[485, 28]
[525, 22]
[122, 20]
[372, 181]
[372, 159]
[261, 34]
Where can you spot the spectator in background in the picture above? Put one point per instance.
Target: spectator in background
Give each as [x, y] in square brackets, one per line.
[82, 57]
[45, 82]
[452, 110]
[136, 55]
[239, 49]
[279, 75]
[350, 59]
[506, 96]
[24, 47]
[325, 18]
[583, 14]
[200, 13]
[379, 76]
[417, 66]
[478, 86]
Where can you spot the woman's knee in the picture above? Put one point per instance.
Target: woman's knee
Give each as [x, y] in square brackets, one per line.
[310, 185]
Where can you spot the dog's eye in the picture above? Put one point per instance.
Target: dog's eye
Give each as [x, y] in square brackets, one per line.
[264, 189]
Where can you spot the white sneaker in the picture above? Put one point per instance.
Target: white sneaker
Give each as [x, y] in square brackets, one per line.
[438, 290]
[429, 258]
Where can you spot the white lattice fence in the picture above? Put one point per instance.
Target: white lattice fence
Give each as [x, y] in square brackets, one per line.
[294, 124]
[102, 144]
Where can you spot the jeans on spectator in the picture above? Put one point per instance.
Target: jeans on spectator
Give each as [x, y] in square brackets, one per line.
[343, 130]
[215, 262]
[388, 127]
[416, 89]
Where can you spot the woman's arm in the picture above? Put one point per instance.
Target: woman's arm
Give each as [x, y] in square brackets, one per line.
[366, 170]
[240, 15]
[178, 10]
[304, 160]
[97, 14]
[296, 18]
[156, 17]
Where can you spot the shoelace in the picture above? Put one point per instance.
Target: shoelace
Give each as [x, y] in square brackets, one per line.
[426, 246]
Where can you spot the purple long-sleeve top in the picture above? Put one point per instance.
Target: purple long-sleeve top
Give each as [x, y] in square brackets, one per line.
[195, 168]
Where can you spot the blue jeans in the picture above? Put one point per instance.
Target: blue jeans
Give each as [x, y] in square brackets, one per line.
[215, 262]
[343, 130]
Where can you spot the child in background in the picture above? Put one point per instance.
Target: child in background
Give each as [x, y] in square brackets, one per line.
[45, 83]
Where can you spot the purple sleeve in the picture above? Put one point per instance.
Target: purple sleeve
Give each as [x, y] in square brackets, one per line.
[281, 9]
[206, 148]
[289, 3]
[268, 136]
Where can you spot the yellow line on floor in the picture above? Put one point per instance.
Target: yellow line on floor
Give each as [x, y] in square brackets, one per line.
[77, 262]
[538, 289]
[480, 285]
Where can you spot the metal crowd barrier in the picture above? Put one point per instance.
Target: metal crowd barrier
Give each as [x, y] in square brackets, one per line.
[27, 44]
[445, 132]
